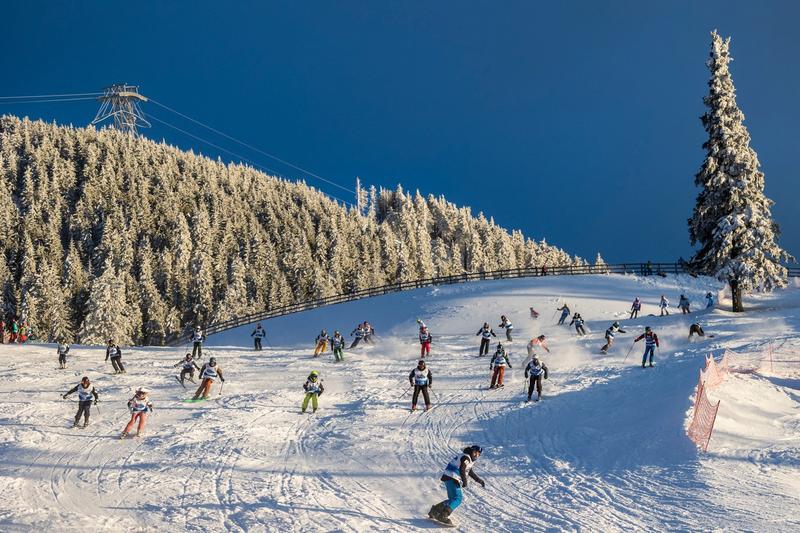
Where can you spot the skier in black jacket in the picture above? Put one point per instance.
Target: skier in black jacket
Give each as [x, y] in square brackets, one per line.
[85, 392]
[420, 378]
[115, 354]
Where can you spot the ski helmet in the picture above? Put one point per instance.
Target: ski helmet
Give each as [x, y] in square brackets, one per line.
[615, 324]
[324, 332]
[421, 362]
[188, 356]
[314, 373]
[541, 337]
[499, 345]
[648, 328]
[485, 325]
[142, 390]
[110, 341]
[473, 449]
[85, 379]
[212, 361]
[336, 332]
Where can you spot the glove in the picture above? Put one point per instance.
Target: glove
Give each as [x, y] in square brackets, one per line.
[64, 396]
[95, 402]
[222, 380]
[483, 484]
[509, 365]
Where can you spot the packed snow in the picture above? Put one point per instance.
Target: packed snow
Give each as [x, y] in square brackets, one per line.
[605, 449]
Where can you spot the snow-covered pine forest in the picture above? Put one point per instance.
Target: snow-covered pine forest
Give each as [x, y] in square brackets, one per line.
[105, 235]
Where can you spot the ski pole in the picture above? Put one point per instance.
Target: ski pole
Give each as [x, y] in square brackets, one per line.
[97, 405]
[406, 392]
[220, 388]
[629, 352]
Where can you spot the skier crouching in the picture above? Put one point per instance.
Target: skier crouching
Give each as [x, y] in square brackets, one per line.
[139, 406]
[208, 373]
[455, 478]
[534, 372]
[420, 378]
[86, 392]
[189, 367]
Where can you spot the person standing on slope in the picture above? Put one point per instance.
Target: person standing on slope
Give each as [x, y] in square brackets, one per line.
[610, 332]
[322, 343]
[577, 319]
[257, 335]
[650, 344]
[664, 305]
[455, 478]
[486, 333]
[636, 306]
[197, 342]
[683, 305]
[506, 324]
[113, 351]
[359, 333]
[425, 339]
[533, 373]
[338, 346]
[498, 366]
[86, 392]
[314, 389]
[208, 373]
[189, 367]
[62, 350]
[139, 406]
[420, 378]
[564, 313]
[709, 300]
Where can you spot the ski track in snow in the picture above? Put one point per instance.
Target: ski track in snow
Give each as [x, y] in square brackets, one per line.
[605, 449]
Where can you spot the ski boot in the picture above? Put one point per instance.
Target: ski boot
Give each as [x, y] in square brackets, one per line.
[427, 408]
[444, 516]
[85, 423]
[436, 511]
[651, 364]
[75, 424]
[123, 436]
[642, 365]
[413, 408]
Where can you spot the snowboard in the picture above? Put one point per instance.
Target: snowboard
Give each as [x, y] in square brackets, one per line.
[192, 400]
[441, 524]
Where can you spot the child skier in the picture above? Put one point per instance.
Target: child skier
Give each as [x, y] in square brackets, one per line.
[564, 314]
[534, 313]
[664, 305]
[113, 352]
[636, 306]
[577, 319]
[257, 335]
[63, 350]
[420, 378]
[650, 344]
[506, 324]
[322, 343]
[86, 392]
[314, 388]
[610, 336]
[486, 333]
[498, 366]
[139, 406]
[683, 304]
[425, 339]
[197, 342]
[455, 478]
[189, 367]
[338, 346]
[533, 373]
[208, 373]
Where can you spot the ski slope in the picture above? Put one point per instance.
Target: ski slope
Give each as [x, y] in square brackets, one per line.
[605, 450]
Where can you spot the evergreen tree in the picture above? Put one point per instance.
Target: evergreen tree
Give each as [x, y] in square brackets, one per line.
[105, 310]
[732, 222]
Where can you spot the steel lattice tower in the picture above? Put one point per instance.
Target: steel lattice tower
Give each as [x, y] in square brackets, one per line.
[121, 101]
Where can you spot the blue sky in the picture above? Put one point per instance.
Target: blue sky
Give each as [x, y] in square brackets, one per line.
[573, 121]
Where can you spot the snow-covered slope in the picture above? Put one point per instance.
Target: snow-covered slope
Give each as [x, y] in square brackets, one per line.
[605, 450]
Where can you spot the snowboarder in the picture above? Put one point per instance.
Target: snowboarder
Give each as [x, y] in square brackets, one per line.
[359, 333]
[86, 392]
[455, 478]
[425, 339]
[208, 373]
[709, 300]
[314, 388]
[498, 366]
[338, 345]
[486, 333]
[534, 313]
[577, 319]
[197, 342]
[664, 305]
[322, 343]
[683, 304]
[636, 306]
[564, 314]
[113, 351]
[507, 325]
[63, 350]
[189, 367]
[650, 344]
[139, 406]
[257, 335]
[696, 329]
[610, 336]
[533, 373]
[420, 378]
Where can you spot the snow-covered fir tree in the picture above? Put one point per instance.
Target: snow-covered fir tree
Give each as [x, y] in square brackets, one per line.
[732, 222]
[600, 265]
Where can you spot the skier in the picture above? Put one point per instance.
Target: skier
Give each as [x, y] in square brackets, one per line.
[533, 373]
[425, 339]
[85, 392]
[709, 300]
[338, 345]
[369, 332]
[534, 313]
[455, 478]
[650, 343]
[577, 319]
[314, 388]
[498, 365]
[507, 325]
[197, 342]
[636, 306]
[189, 367]
[322, 343]
[683, 304]
[564, 314]
[360, 333]
[664, 305]
[12, 338]
[2, 330]
[139, 406]
[610, 336]
[208, 373]
[538, 341]
[257, 335]
[486, 333]
[695, 328]
[420, 378]
[63, 350]
[115, 354]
